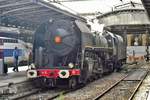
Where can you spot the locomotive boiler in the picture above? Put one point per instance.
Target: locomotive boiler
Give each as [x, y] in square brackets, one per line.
[67, 53]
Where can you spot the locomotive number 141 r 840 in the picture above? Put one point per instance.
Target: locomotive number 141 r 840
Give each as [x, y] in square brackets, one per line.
[66, 52]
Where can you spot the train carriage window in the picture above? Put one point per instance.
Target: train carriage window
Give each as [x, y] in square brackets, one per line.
[10, 41]
[4, 40]
[14, 41]
[1, 41]
[7, 40]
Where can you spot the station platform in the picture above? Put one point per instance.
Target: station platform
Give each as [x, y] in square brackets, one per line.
[14, 77]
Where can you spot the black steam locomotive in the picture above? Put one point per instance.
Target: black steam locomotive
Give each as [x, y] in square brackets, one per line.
[66, 52]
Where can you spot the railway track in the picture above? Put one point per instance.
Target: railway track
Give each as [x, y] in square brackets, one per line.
[61, 95]
[45, 94]
[82, 93]
[54, 93]
[112, 92]
[65, 92]
[107, 90]
[23, 95]
[104, 87]
[138, 86]
[15, 91]
[143, 92]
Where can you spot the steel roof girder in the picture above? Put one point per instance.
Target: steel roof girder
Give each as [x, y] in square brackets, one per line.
[19, 9]
[15, 4]
[32, 12]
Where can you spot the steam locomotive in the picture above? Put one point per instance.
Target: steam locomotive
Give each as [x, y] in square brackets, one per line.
[67, 53]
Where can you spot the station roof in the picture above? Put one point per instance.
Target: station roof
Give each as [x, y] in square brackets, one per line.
[31, 13]
[146, 4]
[129, 29]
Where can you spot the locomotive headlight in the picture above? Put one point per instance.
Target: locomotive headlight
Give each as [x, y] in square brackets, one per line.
[71, 65]
[58, 39]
